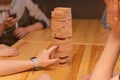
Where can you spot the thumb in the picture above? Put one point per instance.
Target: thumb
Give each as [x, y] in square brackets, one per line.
[53, 61]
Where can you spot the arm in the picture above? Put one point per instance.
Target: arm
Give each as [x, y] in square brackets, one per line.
[22, 65]
[7, 51]
[105, 65]
[41, 21]
[17, 66]
[21, 32]
[34, 27]
[34, 11]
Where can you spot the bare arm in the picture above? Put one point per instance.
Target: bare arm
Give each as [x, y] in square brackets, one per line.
[21, 32]
[7, 51]
[105, 65]
[34, 27]
[14, 66]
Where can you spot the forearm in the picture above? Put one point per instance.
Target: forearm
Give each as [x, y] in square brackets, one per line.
[13, 66]
[106, 63]
[36, 26]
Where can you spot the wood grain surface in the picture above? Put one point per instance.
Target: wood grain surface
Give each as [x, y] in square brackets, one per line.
[89, 37]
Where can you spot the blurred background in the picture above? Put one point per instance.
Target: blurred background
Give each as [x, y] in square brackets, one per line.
[87, 9]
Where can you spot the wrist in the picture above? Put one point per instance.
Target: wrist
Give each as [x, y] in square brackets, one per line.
[42, 24]
[31, 64]
[35, 62]
[28, 29]
[115, 38]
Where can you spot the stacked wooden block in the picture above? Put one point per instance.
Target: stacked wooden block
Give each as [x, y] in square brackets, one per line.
[61, 28]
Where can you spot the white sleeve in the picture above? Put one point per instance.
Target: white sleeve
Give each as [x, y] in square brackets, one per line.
[35, 12]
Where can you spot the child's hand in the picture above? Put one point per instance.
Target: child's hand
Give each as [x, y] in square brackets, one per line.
[44, 57]
[9, 22]
[20, 32]
[7, 51]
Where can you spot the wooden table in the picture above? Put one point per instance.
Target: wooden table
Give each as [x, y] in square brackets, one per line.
[85, 31]
[88, 42]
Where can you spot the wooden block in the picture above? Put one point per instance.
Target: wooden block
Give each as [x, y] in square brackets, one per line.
[63, 65]
[64, 43]
[57, 24]
[61, 18]
[67, 10]
[61, 15]
[64, 32]
[61, 29]
[63, 53]
[65, 47]
[64, 60]
[58, 14]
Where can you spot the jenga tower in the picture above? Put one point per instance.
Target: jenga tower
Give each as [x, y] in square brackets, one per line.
[61, 28]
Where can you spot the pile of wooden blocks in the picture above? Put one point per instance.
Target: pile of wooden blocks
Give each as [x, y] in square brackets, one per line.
[61, 29]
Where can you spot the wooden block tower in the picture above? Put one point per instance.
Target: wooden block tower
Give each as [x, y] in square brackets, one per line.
[61, 30]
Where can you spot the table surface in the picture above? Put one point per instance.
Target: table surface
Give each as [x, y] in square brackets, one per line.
[89, 37]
